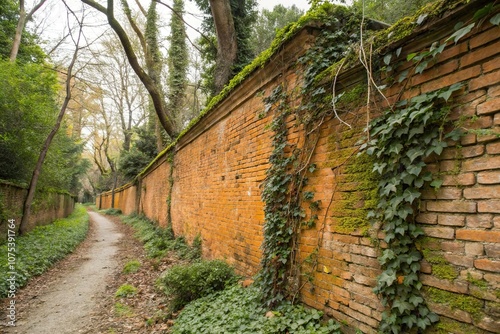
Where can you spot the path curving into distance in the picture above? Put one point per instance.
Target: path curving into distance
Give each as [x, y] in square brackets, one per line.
[66, 305]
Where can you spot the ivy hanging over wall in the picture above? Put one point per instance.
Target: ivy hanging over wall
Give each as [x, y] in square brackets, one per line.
[283, 192]
[402, 140]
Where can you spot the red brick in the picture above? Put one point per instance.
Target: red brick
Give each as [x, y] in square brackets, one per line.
[453, 51]
[465, 179]
[489, 323]
[489, 66]
[479, 55]
[443, 284]
[489, 177]
[460, 260]
[482, 122]
[445, 310]
[488, 265]
[451, 220]
[474, 248]
[451, 206]
[480, 164]
[493, 91]
[484, 81]
[484, 38]
[456, 247]
[427, 218]
[468, 139]
[493, 148]
[482, 192]
[490, 206]
[480, 221]
[442, 193]
[453, 78]
[492, 250]
[489, 107]
[478, 235]
[439, 232]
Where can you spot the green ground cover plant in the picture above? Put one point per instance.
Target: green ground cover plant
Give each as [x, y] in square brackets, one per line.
[188, 282]
[159, 241]
[38, 250]
[240, 310]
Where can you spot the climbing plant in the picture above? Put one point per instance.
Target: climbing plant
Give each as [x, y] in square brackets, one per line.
[290, 162]
[402, 140]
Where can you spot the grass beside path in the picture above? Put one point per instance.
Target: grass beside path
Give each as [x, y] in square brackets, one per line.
[34, 253]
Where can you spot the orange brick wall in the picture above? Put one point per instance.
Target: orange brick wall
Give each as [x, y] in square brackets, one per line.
[220, 164]
[47, 206]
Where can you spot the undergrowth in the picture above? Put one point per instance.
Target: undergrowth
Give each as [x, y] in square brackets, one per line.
[159, 241]
[240, 310]
[38, 250]
[186, 283]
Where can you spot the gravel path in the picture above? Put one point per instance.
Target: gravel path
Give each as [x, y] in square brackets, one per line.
[66, 304]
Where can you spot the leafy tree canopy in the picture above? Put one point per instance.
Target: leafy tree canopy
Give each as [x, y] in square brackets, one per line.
[28, 109]
[29, 50]
[389, 11]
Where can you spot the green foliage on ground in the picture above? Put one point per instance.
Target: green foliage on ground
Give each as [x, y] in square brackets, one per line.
[125, 291]
[159, 241]
[38, 250]
[186, 283]
[131, 267]
[239, 310]
[112, 212]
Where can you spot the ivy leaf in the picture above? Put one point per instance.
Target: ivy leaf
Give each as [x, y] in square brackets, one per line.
[398, 51]
[410, 195]
[411, 56]
[457, 35]
[414, 153]
[387, 59]
[415, 300]
[436, 184]
[422, 18]
[421, 67]
[403, 76]
[483, 12]
[388, 277]
[448, 92]
[402, 306]
[495, 20]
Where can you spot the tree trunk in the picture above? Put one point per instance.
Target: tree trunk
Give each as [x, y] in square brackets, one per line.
[148, 82]
[23, 18]
[23, 226]
[227, 44]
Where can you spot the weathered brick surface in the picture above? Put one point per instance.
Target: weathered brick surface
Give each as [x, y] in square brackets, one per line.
[218, 168]
[49, 206]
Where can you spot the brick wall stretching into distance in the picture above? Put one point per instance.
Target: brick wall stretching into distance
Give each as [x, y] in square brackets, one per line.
[47, 206]
[217, 168]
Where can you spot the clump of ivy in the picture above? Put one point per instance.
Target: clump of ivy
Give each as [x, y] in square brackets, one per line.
[401, 141]
[284, 191]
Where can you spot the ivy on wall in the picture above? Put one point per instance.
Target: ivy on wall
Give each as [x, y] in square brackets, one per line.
[399, 142]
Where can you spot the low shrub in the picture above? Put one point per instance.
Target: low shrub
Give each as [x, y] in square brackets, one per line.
[239, 310]
[131, 267]
[158, 241]
[126, 290]
[38, 250]
[112, 212]
[186, 283]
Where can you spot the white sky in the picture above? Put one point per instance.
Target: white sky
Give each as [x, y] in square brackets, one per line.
[269, 4]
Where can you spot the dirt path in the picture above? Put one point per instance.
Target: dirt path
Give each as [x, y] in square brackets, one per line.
[65, 304]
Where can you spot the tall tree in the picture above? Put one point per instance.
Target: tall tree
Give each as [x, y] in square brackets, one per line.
[389, 11]
[28, 50]
[178, 62]
[269, 22]
[21, 23]
[46, 145]
[230, 23]
[148, 79]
